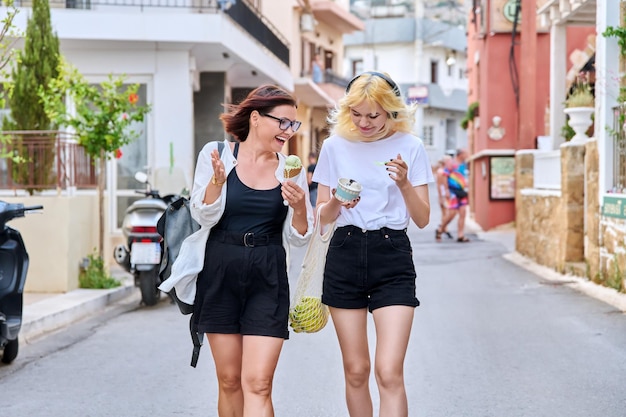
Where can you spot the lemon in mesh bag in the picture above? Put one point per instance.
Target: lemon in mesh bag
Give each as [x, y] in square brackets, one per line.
[309, 315]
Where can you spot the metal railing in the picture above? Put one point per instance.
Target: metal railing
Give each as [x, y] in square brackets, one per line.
[44, 160]
[333, 78]
[618, 133]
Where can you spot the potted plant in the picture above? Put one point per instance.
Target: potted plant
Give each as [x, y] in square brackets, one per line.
[579, 106]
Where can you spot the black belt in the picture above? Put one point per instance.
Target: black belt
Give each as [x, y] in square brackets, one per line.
[249, 239]
[383, 231]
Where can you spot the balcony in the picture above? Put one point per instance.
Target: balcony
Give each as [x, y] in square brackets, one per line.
[243, 13]
[322, 94]
[335, 16]
[53, 160]
[574, 12]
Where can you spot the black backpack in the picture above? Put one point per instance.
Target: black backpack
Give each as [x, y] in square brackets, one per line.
[174, 225]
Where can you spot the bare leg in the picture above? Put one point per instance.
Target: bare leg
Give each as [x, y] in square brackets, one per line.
[351, 328]
[461, 221]
[260, 357]
[448, 218]
[227, 350]
[393, 328]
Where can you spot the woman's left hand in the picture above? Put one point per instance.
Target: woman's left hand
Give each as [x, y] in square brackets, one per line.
[293, 194]
[398, 169]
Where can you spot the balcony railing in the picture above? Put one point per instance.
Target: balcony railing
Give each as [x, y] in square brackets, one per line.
[49, 160]
[333, 78]
[618, 134]
[243, 13]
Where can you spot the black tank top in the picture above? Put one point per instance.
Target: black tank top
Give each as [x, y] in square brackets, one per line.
[250, 210]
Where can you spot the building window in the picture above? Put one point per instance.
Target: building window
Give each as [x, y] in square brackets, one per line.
[434, 69]
[428, 136]
[357, 66]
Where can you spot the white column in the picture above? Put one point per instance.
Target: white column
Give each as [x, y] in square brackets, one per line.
[607, 89]
[558, 69]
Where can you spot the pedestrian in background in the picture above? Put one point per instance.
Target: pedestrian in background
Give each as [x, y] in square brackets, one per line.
[317, 69]
[369, 265]
[309, 176]
[457, 173]
[239, 254]
[441, 181]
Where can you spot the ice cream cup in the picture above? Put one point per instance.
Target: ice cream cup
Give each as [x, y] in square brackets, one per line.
[347, 190]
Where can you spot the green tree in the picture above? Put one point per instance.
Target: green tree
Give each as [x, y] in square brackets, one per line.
[8, 37]
[36, 65]
[102, 118]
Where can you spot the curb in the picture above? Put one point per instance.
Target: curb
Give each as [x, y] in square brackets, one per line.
[599, 292]
[583, 285]
[63, 309]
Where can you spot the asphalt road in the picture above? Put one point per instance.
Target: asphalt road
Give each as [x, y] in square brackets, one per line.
[489, 339]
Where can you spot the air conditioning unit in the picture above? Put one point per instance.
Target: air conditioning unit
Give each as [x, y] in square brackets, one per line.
[307, 23]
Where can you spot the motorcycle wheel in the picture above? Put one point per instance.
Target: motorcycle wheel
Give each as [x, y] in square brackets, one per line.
[150, 294]
[10, 351]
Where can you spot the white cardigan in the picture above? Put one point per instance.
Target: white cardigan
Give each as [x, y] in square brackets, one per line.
[190, 260]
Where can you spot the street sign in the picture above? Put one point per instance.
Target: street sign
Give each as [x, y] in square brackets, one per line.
[614, 207]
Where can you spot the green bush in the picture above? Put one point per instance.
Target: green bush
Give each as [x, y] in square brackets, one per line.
[95, 276]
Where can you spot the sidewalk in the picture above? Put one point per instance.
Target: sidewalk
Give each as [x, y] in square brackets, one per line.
[44, 313]
[506, 236]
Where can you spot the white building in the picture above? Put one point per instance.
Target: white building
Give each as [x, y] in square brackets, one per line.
[427, 59]
[190, 57]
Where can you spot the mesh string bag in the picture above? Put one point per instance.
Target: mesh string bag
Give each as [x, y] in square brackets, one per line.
[307, 314]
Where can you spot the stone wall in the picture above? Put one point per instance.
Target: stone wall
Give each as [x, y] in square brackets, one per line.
[592, 204]
[559, 227]
[573, 201]
[550, 223]
[611, 270]
[539, 224]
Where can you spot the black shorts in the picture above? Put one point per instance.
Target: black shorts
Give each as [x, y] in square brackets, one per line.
[243, 290]
[371, 268]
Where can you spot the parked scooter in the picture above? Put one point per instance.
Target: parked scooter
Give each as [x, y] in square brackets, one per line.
[142, 254]
[13, 269]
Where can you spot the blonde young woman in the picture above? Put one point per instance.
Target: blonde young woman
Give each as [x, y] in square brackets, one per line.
[239, 255]
[369, 266]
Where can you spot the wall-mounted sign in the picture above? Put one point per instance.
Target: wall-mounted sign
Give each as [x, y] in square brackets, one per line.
[614, 207]
[418, 94]
[502, 177]
[503, 16]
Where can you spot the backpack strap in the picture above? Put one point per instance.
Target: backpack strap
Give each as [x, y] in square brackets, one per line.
[196, 337]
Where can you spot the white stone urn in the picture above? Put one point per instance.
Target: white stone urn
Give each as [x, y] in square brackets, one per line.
[579, 120]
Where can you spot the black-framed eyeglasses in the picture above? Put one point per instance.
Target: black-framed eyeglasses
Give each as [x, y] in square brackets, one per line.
[284, 123]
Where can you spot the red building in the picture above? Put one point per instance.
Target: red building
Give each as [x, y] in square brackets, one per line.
[509, 79]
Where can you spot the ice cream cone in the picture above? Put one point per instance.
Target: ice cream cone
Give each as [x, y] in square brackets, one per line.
[292, 172]
[293, 166]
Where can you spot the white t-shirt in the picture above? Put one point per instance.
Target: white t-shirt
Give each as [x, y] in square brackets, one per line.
[381, 202]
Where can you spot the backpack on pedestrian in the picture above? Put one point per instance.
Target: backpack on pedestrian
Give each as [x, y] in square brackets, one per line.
[174, 225]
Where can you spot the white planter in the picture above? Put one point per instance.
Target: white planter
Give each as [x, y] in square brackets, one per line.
[580, 120]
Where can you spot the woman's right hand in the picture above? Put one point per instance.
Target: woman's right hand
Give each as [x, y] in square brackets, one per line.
[219, 172]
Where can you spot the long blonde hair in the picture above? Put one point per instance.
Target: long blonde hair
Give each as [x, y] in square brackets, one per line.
[372, 88]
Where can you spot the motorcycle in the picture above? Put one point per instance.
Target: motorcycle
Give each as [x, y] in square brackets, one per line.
[141, 256]
[13, 269]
